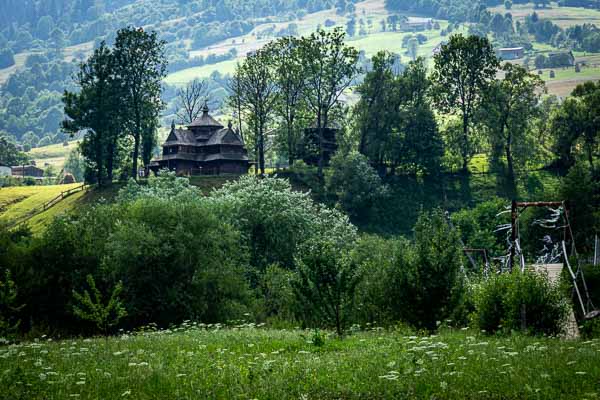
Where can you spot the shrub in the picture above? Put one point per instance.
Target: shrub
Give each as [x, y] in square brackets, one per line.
[590, 329]
[519, 301]
[355, 184]
[477, 226]
[385, 293]
[418, 283]
[177, 261]
[275, 221]
[326, 284]
[438, 258]
[104, 316]
[278, 305]
[8, 306]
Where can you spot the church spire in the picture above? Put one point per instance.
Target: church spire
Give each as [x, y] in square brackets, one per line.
[172, 125]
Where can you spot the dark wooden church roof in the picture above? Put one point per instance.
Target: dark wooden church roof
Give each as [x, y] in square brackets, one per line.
[205, 120]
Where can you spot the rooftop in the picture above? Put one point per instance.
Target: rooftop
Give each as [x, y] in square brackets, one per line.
[205, 120]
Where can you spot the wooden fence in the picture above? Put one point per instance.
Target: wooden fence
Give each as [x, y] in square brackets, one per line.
[46, 206]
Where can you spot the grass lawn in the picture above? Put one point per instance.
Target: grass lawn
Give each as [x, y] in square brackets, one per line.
[180, 78]
[254, 363]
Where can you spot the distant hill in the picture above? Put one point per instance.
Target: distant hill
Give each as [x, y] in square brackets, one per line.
[42, 42]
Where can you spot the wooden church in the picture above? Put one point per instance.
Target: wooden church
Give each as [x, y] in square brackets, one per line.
[204, 148]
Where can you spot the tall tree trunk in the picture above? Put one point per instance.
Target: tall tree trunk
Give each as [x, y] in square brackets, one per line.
[465, 144]
[321, 124]
[261, 150]
[509, 157]
[136, 145]
[136, 154]
[99, 165]
[239, 115]
[110, 161]
[590, 155]
[291, 152]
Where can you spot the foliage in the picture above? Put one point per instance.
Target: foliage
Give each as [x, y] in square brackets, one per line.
[521, 302]
[140, 66]
[463, 70]
[437, 269]
[509, 107]
[177, 261]
[9, 155]
[8, 306]
[355, 184]
[330, 66]
[96, 109]
[255, 92]
[388, 287]
[275, 220]
[166, 185]
[394, 118]
[75, 165]
[326, 284]
[581, 190]
[478, 227]
[104, 316]
[290, 106]
[278, 299]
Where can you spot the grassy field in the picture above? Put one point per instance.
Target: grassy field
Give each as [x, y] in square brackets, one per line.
[20, 201]
[54, 155]
[375, 40]
[566, 79]
[561, 16]
[252, 363]
[19, 62]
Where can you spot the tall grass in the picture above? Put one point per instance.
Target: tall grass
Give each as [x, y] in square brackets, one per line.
[197, 362]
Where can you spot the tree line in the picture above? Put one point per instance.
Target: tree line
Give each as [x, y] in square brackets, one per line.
[406, 120]
[118, 103]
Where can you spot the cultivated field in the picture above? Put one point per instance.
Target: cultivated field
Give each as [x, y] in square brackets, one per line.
[54, 155]
[561, 16]
[251, 363]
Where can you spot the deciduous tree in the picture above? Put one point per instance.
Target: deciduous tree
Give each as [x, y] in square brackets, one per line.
[510, 104]
[462, 73]
[140, 66]
[330, 67]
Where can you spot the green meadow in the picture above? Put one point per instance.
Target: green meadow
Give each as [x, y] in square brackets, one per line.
[247, 362]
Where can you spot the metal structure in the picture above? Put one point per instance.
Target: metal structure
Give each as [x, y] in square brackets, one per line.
[587, 307]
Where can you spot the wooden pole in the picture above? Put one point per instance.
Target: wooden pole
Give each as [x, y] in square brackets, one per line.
[514, 215]
[596, 255]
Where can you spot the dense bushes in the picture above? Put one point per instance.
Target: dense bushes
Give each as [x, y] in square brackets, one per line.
[419, 283]
[355, 185]
[520, 302]
[254, 248]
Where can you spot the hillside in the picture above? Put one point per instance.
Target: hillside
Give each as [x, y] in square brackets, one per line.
[24, 204]
[207, 41]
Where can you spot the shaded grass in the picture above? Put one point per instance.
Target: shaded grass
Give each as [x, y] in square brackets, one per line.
[275, 364]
